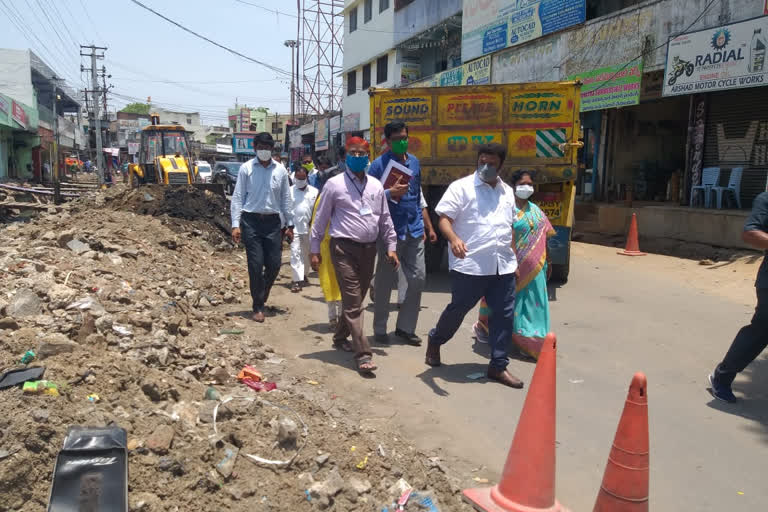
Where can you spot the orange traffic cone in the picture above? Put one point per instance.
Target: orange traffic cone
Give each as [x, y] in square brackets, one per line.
[528, 480]
[625, 483]
[633, 246]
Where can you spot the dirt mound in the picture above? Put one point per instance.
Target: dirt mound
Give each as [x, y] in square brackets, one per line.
[124, 299]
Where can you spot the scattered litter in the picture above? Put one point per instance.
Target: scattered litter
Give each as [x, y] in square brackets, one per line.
[256, 458]
[740, 493]
[231, 331]
[249, 373]
[313, 382]
[362, 464]
[275, 360]
[4, 454]
[19, 376]
[352, 448]
[45, 387]
[403, 501]
[93, 397]
[480, 480]
[476, 375]
[212, 394]
[226, 465]
[381, 451]
[28, 357]
[309, 496]
[122, 330]
[576, 381]
[260, 386]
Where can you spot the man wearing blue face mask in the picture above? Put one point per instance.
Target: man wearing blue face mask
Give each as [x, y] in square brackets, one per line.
[476, 217]
[405, 207]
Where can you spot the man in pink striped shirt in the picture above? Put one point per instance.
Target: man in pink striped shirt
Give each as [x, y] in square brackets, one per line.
[355, 206]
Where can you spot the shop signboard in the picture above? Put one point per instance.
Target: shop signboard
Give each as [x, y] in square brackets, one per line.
[610, 87]
[651, 86]
[18, 114]
[334, 125]
[727, 57]
[351, 122]
[243, 144]
[321, 145]
[295, 138]
[410, 71]
[209, 148]
[245, 119]
[477, 72]
[224, 148]
[133, 148]
[321, 131]
[306, 129]
[492, 25]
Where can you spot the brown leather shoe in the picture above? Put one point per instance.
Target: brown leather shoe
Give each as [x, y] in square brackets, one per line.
[258, 316]
[504, 377]
[433, 354]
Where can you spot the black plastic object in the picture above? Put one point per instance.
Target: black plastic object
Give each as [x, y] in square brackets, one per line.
[91, 473]
[20, 376]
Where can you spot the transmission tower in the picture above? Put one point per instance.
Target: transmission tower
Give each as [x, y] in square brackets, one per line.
[322, 32]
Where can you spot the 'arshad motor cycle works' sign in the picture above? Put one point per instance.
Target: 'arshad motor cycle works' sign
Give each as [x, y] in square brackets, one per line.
[727, 57]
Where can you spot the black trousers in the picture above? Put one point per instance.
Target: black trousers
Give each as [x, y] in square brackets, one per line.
[749, 342]
[262, 237]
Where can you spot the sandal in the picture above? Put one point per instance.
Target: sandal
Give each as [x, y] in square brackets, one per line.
[296, 288]
[345, 345]
[365, 365]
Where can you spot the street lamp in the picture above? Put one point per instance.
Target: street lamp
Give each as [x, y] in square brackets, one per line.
[292, 44]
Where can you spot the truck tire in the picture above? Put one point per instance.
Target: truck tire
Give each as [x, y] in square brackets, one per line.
[560, 272]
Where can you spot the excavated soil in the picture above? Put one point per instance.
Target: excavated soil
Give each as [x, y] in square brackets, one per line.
[121, 294]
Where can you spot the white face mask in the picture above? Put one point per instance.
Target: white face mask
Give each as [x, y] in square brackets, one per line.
[300, 183]
[524, 191]
[264, 155]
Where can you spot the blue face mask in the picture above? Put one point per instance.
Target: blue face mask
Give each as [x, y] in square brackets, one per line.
[357, 163]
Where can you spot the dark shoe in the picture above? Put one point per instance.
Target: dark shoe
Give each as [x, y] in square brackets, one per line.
[433, 354]
[410, 339]
[381, 339]
[296, 287]
[504, 377]
[258, 316]
[721, 391]
[305, 282]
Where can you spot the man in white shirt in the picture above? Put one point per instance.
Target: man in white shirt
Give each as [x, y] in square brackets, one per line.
[304, 196]
[476, 217]
[262, 197]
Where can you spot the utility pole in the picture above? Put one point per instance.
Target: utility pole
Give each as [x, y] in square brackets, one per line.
[97, 118]
[292, 45]
[55, 152]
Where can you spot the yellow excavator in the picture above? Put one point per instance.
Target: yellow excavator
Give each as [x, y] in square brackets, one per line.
[164, 158]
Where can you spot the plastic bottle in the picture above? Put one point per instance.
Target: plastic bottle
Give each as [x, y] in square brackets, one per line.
[757, 52]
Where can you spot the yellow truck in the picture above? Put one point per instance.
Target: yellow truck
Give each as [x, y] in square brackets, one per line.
[537, 122]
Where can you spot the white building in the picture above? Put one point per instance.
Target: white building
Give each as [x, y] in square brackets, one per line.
[189, 120]
[370, 59]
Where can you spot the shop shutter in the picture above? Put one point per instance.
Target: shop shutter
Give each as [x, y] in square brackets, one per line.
[737, 136]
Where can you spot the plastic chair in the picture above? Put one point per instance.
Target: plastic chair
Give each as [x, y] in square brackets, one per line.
[709, 178]
[734, 187]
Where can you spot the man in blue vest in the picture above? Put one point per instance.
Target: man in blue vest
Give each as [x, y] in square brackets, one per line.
[403, 198]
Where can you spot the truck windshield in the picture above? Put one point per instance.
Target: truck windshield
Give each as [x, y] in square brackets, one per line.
[175, 142]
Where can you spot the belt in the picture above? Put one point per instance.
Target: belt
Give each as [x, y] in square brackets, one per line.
[262, 215]
[354, 242]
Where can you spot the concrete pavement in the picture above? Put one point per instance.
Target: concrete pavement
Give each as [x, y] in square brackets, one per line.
[617, 315]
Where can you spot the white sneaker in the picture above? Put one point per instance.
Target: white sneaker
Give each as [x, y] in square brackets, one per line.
[479, 333]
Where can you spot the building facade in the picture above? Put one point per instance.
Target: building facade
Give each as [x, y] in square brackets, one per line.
[32, 91]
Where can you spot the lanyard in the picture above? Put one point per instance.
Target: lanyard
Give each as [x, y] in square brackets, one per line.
[359, 190]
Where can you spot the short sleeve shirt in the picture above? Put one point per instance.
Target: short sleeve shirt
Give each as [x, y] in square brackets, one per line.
[482, 218]
[758, 221]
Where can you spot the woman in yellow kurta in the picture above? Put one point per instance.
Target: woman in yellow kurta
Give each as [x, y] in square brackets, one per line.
[327, 276]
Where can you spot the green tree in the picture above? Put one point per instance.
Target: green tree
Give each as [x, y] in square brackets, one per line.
[136, 108]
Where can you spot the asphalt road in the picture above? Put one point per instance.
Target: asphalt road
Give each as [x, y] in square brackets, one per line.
[616, 316]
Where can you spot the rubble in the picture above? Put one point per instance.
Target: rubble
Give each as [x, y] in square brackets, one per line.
[130, 314]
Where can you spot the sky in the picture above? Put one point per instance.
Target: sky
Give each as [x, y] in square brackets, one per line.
[144, 51]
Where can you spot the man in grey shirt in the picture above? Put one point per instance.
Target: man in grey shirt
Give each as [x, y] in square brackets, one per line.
[262, 197]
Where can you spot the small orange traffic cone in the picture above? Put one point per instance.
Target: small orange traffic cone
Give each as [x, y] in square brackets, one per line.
[633, 246]
[625, 483]
[528, 480]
